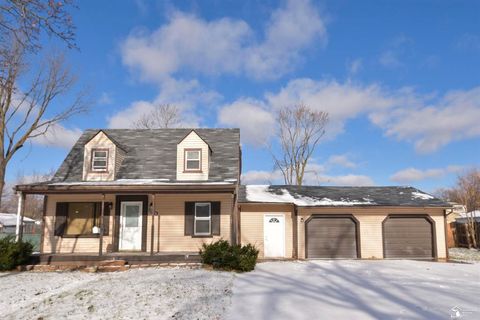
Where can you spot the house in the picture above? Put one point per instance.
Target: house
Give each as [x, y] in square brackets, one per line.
[8, 224]
[168, 191]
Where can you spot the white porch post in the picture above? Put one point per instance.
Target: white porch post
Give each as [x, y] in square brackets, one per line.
[20, 209]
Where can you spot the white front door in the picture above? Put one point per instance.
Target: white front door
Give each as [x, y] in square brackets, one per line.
[274, 235]
[131, 225]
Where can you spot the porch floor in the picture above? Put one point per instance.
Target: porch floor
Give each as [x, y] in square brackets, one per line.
[131, 258]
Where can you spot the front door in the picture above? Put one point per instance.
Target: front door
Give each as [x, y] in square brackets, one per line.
[131, 225]
[274, 235]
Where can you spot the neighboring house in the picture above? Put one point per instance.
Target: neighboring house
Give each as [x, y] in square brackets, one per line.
[461, 225]
[8, 223]
[171, 190]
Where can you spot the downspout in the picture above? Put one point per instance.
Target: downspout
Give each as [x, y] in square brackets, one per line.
[20, 213]
[233, 220]
[295, 232]
[445, 214]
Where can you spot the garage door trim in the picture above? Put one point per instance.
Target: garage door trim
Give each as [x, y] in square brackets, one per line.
[412, 215]
[326, 216]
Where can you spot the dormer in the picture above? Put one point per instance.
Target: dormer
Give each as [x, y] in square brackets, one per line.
[102, 158]
[193, 158]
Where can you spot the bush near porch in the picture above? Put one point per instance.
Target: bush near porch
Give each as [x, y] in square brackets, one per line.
[222, 255]
[13, 254]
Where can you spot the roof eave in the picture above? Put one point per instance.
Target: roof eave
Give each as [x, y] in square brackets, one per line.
[45, 189]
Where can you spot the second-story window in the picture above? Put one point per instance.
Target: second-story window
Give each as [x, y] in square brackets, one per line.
[99, 159]
[193, 160]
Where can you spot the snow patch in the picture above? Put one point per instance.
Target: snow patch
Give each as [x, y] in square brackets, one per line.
[261, 193]
[421, 195]
[130, 182]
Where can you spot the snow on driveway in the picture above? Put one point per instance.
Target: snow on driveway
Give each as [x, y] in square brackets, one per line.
[350, 289]
[153, 293]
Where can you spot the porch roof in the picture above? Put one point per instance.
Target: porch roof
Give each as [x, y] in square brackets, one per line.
[127, 185]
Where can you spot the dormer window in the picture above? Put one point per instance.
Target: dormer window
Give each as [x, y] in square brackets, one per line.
[99, 160]
[193, 160]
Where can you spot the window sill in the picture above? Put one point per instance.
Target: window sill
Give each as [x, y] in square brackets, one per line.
[80, 236]
[192, 171]
[203, 236]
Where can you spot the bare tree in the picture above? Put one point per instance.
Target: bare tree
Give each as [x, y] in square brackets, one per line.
[24, 21]
[23, 110]
[162, 116]
[33, 203]
[467, 192]
[300, 130]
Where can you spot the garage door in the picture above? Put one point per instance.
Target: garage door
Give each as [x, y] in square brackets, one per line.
[331, 237]
[408, 237]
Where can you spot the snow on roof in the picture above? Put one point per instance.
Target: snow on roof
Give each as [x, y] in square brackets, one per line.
[261, 193]
[130, 182]
[475, 213]
[421, 195]
[10, 219]
[339, 196]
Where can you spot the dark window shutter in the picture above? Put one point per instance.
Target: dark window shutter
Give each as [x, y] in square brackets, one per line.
[189, 216]
[61, 218]
[215, 207]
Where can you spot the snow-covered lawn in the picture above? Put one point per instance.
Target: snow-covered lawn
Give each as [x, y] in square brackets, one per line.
[357, 290]
[275, 290]
[152, 293]
[464, 254]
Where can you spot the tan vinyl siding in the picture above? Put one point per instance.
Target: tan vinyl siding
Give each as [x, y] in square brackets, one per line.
[193, 141]
[370, 219]
[251, 226]
[172, 220]
[171, 210]
[53, 244]
[100, 141]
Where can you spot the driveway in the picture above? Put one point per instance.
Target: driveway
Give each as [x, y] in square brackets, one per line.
[357, 290]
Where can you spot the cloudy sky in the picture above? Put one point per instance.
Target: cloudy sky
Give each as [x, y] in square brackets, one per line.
[400, 80]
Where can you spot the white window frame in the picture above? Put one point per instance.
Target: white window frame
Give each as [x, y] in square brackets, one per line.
[199, 151]
[209, 218]
[95, 158]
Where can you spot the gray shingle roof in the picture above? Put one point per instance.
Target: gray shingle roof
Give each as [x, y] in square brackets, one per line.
[152, 154]
[339, 196]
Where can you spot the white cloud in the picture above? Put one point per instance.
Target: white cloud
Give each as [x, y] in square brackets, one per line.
[353, 67]
[311, 178]
[58, 136]
[256, 123]
[342, 101]
[431, 123]
[186, 95]
[105, 98]
[341, 160]
[225, 45]
[426, 120]
[469, 42]
[315, 174]
[397, 49]
[413, 174]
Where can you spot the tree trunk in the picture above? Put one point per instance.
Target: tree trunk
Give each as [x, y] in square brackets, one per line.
[2, 179]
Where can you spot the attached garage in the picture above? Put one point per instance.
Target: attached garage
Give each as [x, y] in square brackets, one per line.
[331, 236]
[409, 237]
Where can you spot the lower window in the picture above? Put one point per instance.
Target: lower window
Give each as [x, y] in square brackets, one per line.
[81, 218]
[203, 219]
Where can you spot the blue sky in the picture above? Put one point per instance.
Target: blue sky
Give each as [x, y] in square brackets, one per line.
[400, 80]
